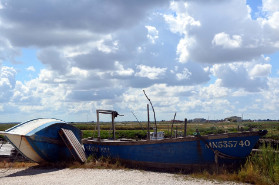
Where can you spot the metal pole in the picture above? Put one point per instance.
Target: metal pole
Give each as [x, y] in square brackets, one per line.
[148, 123]
[185, 127]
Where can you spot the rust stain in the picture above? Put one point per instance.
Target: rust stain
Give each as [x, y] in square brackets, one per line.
[199, 150]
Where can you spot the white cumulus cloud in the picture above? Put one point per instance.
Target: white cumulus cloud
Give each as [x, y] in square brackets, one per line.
[31, 68]
[7, 83]
[270, 5]
[150, 72]
[153, 34]
[184, 75]
[224, 40]
[260, 70]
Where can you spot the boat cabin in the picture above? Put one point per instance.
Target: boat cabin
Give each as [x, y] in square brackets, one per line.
[160, 135]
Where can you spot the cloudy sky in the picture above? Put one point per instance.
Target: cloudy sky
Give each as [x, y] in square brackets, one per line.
[201, 59]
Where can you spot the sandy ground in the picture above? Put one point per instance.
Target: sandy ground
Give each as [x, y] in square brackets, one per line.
[96, 176]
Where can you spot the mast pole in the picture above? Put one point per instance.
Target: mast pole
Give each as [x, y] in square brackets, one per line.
[148, 123]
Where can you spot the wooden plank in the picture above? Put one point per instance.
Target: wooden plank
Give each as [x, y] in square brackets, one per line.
[73, 144]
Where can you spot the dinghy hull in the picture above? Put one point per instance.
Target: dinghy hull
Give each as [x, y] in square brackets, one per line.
[39, 139]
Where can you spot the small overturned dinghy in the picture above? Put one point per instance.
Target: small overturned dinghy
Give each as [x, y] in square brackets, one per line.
[47, 140]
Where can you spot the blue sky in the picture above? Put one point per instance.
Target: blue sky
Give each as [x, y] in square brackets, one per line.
[65, 59]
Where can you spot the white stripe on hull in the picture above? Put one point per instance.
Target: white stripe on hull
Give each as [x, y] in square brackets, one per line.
[21, 143]
[25, 128]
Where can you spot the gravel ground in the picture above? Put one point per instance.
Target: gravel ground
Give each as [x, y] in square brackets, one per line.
[96, 176]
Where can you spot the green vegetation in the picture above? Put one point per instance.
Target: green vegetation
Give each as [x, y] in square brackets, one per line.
[204, 128]
[129, 134]
[5, 126]
[261, 168]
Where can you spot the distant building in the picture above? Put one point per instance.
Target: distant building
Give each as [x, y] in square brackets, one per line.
[233, 119]
[199, 120]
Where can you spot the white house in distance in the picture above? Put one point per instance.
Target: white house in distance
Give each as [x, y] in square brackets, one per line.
[233, 119]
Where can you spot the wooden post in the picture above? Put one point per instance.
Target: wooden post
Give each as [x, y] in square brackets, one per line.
[148, 123]
[185, 127]
[113, 125]
[172, 124]
[153, 113]
[98, 125]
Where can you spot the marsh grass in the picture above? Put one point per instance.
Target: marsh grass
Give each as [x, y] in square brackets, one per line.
[261, 168]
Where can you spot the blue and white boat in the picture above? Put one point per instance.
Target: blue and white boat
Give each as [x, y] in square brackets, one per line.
[40, 141]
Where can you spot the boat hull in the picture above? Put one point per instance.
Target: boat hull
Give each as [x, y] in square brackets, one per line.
[23, 146]
[179, 152]
[39, 140]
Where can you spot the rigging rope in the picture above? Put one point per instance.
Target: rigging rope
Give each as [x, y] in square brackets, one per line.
[137, 120]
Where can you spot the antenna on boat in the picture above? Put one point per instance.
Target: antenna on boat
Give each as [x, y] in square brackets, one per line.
[153, 113]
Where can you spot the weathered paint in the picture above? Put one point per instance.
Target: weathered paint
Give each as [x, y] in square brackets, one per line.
[73, 144]
[22, 145]
[32, 126]
[40, 139]
[183, 151]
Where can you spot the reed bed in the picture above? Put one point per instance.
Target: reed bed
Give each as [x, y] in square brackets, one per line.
[261, 168]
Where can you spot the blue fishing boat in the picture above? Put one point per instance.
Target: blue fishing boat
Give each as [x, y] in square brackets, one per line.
[174, 152]
[177, 152]
[45, 140]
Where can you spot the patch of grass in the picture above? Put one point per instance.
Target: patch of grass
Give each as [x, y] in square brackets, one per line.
[5, 126]
[260, 168]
